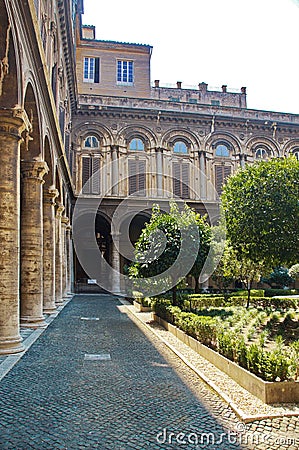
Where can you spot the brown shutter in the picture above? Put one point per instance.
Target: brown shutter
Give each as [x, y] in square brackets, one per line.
[141, 178]
[96, 175]
[86, 166]
[221, 174]
[185, 180]
[176, 179]
[132, 177]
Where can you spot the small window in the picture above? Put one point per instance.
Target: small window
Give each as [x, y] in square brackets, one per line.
[180, 147]
[91, 142]
[261, 153]
[136, 145]
[215, 102]
[125, 72]
[222, 151]
[91, 70]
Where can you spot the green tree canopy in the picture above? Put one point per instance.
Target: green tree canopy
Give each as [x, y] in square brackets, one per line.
[260, 205]
[171, 246]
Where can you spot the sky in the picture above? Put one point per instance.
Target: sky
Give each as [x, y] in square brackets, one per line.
[253, 43]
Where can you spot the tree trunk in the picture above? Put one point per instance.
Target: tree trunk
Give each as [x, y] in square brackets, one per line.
[174, 296]
[196, 289]
[248, 287]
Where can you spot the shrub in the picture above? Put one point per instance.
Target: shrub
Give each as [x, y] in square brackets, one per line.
[280, 292]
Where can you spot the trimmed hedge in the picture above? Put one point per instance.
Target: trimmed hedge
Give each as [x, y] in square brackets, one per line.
[274, 365]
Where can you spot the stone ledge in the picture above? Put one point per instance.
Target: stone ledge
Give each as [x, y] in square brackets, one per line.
[268, 392]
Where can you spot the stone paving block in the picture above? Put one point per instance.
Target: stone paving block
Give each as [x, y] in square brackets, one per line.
[144, 397]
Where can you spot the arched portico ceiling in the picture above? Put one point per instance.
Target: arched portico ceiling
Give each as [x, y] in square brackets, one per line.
[221, 138]
[9, 87]
[180, 134]
[49, 177]
[81, 131]
[128, 133]
[261, 141]
[32, 146]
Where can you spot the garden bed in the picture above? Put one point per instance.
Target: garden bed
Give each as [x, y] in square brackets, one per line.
[268, 392]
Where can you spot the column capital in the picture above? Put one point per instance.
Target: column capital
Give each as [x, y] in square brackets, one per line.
[35, 169]
[50, 195]
[14, 121]
[59, 209]
[65, 220]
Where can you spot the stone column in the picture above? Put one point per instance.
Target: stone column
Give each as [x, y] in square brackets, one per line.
[203, 175]
[58, 255]
[159, 172]
[31, 274]
[12, 123]
[69, 254]
[115, 261]
[49, 196]
[64, 224]
[115, 170]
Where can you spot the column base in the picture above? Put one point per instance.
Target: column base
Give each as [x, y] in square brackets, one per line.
[33, 322]
[51, 310]
[11, 345]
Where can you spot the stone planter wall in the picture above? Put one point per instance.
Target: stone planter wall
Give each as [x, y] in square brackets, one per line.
[268, 392]
[140, 308]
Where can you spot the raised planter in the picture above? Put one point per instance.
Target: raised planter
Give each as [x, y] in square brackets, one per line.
[140, 308]
[268, 392]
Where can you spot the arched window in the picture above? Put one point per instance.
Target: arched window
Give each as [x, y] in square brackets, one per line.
[91, 142]
[296, 153]
[136, 144]
[222, 151]
[261, 153]
[180, 147]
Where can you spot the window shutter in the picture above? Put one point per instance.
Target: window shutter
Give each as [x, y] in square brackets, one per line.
[176, 179]
[97, 70]
[96, 175]
[185, 180]
[132, 177]
[86, 163]
[141, 178]
[221, 175]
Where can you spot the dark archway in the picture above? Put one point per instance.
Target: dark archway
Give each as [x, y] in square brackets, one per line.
[8, 70]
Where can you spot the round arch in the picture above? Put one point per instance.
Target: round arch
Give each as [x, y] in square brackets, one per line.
[126, 134]
[180, 134]
[223, 138]
[263, 142]
[102, 133]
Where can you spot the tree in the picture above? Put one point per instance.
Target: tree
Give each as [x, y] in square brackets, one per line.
[239, 266]
[204, 231]
[294, 271]
[279, 278]
[261, 210]
[169, 248]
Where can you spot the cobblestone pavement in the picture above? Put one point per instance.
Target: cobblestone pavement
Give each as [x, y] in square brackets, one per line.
[97, 379]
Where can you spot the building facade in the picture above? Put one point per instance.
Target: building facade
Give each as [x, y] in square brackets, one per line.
[81, 122]
[144, 144]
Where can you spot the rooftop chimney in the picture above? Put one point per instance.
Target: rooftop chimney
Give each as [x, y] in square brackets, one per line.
[224, 88]
[243, 90]
[179, 84]
[157, 82]
[203, 87]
